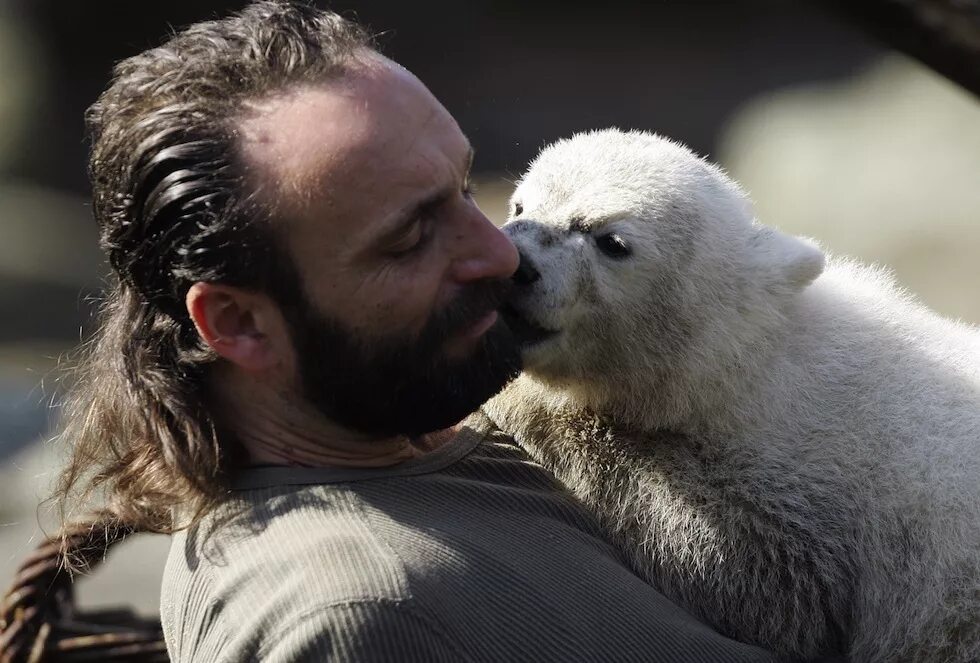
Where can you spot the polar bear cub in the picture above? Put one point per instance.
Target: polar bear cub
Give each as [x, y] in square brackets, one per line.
[786, 445]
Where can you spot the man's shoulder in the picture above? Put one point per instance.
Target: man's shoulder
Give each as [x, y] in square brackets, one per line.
[275, 558]
[326, 543]
[301, 542]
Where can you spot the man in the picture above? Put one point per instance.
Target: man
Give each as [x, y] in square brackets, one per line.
[306, 305]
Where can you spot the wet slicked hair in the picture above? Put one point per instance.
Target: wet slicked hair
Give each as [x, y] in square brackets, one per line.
[174, 206]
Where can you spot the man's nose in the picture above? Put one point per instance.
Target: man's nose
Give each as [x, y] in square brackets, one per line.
[487, 253]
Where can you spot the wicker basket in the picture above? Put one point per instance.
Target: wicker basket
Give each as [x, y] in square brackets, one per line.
[38, 618]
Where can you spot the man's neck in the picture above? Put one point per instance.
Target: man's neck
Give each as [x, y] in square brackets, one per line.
[275, 428]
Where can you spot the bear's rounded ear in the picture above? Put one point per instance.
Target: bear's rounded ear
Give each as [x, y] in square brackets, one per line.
[789, 262]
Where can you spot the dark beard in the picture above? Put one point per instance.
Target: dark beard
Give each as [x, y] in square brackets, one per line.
[401, 384]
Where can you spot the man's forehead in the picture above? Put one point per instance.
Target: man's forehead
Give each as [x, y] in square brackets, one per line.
[311, 138]
[295, 135]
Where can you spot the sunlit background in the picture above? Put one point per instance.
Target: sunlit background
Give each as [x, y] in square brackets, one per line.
[834, 136]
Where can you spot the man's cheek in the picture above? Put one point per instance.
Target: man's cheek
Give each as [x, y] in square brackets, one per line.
[403, 311]
[417, 298]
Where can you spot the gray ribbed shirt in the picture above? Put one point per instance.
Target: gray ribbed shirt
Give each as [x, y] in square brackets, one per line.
[470, 553]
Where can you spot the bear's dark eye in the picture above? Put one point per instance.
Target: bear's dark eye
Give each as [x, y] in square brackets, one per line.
[518, 209]
[612, 245]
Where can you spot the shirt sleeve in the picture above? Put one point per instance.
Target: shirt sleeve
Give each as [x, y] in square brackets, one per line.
[363, 632]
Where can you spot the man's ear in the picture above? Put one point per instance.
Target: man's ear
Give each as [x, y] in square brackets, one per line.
[242, 326]
[788, 263]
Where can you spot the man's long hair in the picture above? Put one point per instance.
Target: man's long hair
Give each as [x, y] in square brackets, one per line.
[175, 205]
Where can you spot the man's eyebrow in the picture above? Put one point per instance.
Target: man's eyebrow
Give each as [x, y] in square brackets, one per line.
[429, 202]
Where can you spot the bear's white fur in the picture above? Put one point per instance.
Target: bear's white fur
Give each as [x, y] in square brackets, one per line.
[789, 449]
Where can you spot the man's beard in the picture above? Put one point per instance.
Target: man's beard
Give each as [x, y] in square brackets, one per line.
[405, 384]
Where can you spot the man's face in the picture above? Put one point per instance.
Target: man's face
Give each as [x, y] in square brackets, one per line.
[402, 273]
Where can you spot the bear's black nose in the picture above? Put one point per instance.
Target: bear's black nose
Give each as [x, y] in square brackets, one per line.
[526, 274]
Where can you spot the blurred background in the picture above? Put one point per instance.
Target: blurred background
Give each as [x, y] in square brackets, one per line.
[834, 136]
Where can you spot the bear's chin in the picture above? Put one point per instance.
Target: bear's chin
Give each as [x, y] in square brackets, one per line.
[548, 362]
[528, 333]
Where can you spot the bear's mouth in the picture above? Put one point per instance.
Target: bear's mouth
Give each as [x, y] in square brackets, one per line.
[526, 331]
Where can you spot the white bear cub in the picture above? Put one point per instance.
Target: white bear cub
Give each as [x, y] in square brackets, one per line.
[787, 446]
